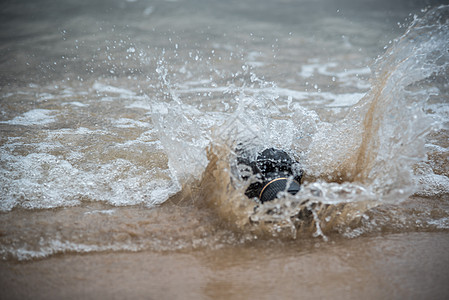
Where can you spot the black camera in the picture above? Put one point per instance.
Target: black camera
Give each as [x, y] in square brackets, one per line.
[275, 172]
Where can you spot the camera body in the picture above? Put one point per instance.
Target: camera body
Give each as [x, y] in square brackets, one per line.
[274, 171]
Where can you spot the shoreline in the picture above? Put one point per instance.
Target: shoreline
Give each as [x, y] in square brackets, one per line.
[394, 266]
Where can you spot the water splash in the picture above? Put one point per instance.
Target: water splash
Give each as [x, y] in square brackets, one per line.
[363, 160]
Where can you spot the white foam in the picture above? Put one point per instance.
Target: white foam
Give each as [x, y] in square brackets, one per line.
[104, 88]
[103, 212]
[437, 148]
[323, 69]
[129, 123]
[33, 117]
[76, 103]
[140, 104]
[57, 246]
[162, 190]
[78, 131]
[442, 223]
[348, 77]
[7, 95]
[42, 180]
[45, 97]
[226, 47]
[36, 181]
[256, 64]
[433, 185]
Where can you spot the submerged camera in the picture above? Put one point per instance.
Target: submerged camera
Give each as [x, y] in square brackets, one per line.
[275, 172]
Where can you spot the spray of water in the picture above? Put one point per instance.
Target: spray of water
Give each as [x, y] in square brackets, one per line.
[365, 159]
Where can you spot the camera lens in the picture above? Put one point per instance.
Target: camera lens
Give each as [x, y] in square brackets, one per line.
[275, 171]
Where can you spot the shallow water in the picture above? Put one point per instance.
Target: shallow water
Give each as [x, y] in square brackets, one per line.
[381, 267]
[119, 122]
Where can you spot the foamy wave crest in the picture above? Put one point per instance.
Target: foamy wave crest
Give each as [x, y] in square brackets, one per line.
[56, 246]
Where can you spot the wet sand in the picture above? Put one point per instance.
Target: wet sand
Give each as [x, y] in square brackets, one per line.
[392, 266]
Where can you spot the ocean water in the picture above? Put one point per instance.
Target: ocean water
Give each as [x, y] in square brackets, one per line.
[119, 122]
